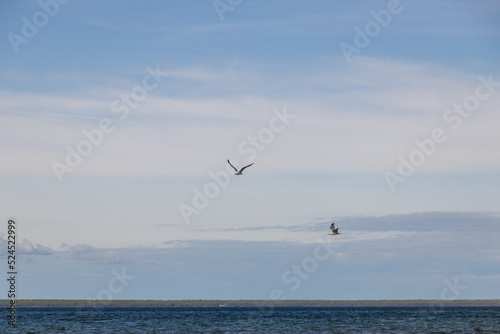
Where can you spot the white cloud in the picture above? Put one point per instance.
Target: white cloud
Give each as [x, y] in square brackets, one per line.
[24, 247]
[90, 253]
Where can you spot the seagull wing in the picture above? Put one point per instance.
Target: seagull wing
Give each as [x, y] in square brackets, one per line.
[241, 170]
[332, 227]
[232, 165]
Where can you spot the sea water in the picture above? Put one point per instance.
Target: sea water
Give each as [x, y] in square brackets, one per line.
[49, 320]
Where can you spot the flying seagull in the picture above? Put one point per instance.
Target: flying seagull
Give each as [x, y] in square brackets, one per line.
[334, 231]
[238, 172]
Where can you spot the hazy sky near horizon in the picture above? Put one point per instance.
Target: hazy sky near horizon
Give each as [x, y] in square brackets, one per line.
[117, 118]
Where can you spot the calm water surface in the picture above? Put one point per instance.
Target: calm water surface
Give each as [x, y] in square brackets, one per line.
[255, 320]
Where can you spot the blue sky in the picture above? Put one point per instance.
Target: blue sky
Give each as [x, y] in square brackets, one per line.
[117, 118]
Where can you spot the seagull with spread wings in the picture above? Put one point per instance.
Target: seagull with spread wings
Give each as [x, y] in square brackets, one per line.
[238, 172]
[334, 231]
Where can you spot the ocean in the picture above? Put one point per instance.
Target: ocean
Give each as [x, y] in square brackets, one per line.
[49, 320]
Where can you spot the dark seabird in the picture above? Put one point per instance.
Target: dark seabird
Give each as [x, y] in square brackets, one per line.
[238, 172]
[334, 231]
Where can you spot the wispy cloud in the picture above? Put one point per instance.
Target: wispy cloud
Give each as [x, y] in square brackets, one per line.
[295, 228]
[414, 228]
[380, 107]
[426, 222]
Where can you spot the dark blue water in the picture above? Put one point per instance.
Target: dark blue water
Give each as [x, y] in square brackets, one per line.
[48, 320]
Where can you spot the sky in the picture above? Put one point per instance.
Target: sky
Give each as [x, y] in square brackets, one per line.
[117, 119]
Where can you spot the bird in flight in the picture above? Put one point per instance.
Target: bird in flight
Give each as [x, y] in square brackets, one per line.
[238, 172]
[334, 231]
